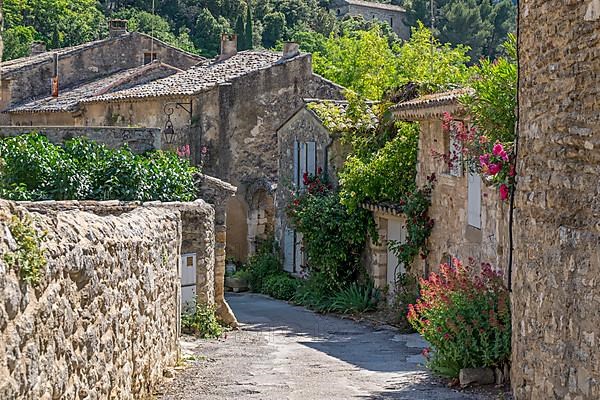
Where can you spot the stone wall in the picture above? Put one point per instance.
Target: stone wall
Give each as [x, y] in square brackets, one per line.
[104, 320]
[85, 63]
[138, 139]
[452, 236]
[395, 18]
[556, 290]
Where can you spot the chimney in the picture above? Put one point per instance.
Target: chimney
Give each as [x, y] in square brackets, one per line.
[55, 76]
[37, 48]
[290, 50]
[228, 46]
[117, 27]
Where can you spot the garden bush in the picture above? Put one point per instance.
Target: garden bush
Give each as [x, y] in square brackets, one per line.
[203, 322]
[281, 286]
[35, 169]
[465, 318]
[264, 264]
[315, 293]
[356, 298]
[333, 236]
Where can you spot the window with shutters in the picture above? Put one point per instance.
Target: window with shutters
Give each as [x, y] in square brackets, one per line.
[305, 161]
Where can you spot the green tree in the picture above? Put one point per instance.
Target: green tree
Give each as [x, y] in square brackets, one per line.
[17, 41]
[207, 33]
[58, 23]
[274, 24]
[249, 33]
[240, 30]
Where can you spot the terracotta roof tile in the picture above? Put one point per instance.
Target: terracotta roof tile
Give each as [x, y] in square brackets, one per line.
[429, 104]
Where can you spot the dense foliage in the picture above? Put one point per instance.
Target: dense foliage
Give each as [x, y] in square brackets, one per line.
[483, 25]
[368, 63]
[465, 318]
[202, 322]
[487, 143]
[333, 235]
[35, 169]
[387, 175]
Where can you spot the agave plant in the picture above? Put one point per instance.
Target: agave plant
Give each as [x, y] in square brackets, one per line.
[356, 298]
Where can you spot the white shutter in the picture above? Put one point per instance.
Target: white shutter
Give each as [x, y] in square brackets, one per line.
[474, 201]
[288, 250]
[296, 178]
[311, 158]
[302, 163]
[299, 258]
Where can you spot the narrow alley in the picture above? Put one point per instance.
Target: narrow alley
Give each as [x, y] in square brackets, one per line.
[286, 352]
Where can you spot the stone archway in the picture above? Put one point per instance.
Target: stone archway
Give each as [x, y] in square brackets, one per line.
[261, 214]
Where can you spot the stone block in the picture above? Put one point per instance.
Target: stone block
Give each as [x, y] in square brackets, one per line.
[476, 376]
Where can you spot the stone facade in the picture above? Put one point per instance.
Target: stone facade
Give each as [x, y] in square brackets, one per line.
[104, 320]
[395, 16]
[138, 139]
[228, 111]
[305, 135]
[556, 290]
[483, 237]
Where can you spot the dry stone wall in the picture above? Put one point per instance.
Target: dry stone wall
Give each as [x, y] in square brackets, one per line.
[103, 322]
[556, 289]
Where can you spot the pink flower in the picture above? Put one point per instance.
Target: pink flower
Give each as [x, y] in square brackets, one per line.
[494, 168]
[512, 172]
[503, 192]
[483, 139]
[498, 149]
[484, 159]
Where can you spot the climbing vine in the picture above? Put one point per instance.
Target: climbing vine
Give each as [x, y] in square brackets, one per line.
[28, 258]
[419, 225]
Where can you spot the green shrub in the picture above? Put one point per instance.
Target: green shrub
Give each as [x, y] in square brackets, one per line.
[333, 236]
[315, 293]
[406, 292]
[35, 169]
[264, 264]
[280, 286]
[203, 322]
[356, 298]
[387, 175]
[465, 318]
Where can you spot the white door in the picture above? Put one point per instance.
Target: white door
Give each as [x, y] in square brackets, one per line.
[289, 247]
[474, 201]
[188, 281]
[396, 231]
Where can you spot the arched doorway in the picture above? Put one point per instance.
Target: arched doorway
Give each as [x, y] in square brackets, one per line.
[237, 229]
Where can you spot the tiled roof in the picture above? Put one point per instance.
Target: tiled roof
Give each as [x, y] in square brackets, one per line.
[7, 67]
[429, 104]
[69, 99]
[384, 208]
[198, 78]
[381, 6]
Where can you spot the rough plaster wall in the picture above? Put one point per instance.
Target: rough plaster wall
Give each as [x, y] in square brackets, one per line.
[451, 234]
[556, 290]
[103, 322]
[138, 139]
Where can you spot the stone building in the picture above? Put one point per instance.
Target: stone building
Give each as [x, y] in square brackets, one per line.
[556, 290]
[395, 16]
[470, 219]
[123, 60]
[305, 146]
[226, 110]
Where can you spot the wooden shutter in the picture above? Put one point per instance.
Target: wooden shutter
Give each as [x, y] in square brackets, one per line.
[288, 250]
[302, 165]
[296, 178]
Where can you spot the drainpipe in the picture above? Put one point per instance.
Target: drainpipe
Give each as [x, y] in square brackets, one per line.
[55, 77]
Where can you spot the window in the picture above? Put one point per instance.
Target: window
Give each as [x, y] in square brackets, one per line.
[149, 57]
[474, 201]
[305, 160]
[391, 22]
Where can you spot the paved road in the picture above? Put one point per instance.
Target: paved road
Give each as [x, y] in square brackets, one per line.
[286, 352]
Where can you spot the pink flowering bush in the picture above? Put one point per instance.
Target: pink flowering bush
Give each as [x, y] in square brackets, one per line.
[493, 161]
[465, 318]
